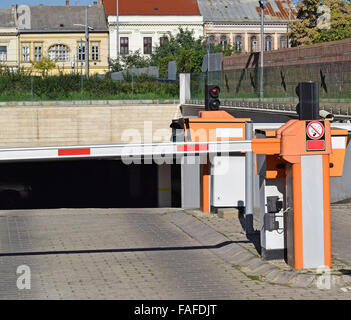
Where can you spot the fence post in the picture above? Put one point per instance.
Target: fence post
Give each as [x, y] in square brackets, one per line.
[31, 87]
[184, 87]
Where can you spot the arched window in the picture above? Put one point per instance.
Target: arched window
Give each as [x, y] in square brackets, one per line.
[238, 44]
[283, 42]
[268, 43]
[254, 44]
[59, 52]
[223, 41]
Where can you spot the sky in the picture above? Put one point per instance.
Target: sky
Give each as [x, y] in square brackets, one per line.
[8, 3]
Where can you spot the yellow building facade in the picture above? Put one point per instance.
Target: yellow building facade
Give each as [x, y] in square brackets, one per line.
[8, 39]
[58, 33]
[67, 50]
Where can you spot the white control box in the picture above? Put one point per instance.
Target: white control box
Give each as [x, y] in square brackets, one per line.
[228, 181]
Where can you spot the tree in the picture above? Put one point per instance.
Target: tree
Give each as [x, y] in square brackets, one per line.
[313, 24]
[186, 50]
[189, 61]
[44, 66]
[132, 60]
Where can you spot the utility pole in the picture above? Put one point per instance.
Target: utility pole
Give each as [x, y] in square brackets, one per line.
[288, 44]
[86, 26]
[86, 44]
[117, 25]
[262, 4]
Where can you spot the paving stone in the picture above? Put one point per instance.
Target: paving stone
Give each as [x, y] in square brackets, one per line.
[132, 254]
[255, 264]
[347, 279]
[264, 269]
[227, 213]
[271, 276]
[303, 280]
[284, 277]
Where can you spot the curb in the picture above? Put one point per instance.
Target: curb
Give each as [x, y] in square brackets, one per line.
[248, 263]
[49, 103]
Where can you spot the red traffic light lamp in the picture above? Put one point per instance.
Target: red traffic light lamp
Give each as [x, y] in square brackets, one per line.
[211, 97]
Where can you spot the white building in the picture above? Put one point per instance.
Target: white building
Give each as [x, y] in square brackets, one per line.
[142, 24]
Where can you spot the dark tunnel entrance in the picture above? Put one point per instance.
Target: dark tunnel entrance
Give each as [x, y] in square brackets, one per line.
[84, 184]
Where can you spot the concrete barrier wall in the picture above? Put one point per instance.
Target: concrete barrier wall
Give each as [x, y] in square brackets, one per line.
[29, 126]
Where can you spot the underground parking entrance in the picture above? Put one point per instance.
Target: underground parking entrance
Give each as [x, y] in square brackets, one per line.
[102, 183]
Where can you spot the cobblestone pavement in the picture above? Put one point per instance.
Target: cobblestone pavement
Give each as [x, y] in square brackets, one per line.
[128, 254]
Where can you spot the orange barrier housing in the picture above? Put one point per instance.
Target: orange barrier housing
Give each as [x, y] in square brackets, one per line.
[286, 146]
[213, 126]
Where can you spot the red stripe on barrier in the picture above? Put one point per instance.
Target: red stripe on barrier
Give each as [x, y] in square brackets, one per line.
[74, 152]
[192, 147]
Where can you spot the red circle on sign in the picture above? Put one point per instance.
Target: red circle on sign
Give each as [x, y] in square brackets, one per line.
[315, 130]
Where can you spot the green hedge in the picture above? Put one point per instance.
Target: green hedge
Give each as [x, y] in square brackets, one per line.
[17, 86]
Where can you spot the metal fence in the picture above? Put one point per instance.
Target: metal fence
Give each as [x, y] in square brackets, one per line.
[279, 82]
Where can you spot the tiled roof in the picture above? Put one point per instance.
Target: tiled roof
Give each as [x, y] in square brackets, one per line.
[152, 7]
[64, 18]
[245, 10]
[7, 18]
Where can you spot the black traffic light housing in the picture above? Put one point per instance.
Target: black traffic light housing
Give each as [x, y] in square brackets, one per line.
[211, 97]
[308, 106]
[177, 126]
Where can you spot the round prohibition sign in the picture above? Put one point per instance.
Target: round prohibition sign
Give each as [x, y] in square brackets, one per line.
[315, 130]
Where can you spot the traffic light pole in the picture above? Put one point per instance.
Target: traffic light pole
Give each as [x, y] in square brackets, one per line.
[86, 44]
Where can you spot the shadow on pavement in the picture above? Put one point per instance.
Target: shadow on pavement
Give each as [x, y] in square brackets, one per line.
[254, 238]
[40, 253]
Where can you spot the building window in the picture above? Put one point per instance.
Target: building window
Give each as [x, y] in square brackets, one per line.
[59, 52]
[37, 52]
[238, 44]
[25, 52]
[147, 45]
[124, 45]
[163, 41]
[254, 47]
[3, 53]
[268, 43]
[81, 52]
[283, 42]
[223, 41]
[212, 39]
[95, 52]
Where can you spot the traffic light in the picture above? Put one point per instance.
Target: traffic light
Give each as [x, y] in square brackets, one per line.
[211, 97]
[308, 106]
[177, 130]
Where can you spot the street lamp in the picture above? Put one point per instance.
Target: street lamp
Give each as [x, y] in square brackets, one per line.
[262, 4]
[87, 27]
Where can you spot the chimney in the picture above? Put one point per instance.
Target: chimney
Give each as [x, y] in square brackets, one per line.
[67, 3]
[95, 3]
[14, 12]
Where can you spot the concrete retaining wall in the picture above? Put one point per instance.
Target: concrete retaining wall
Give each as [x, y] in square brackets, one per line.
[29, 126]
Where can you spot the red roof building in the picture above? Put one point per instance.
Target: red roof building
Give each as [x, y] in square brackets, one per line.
[153, 7]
